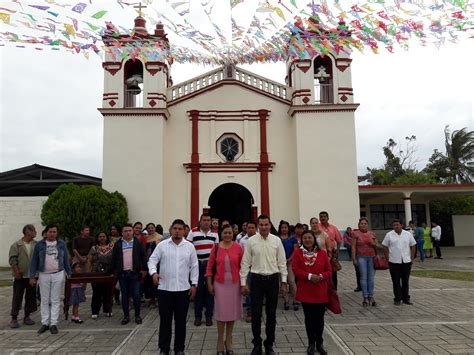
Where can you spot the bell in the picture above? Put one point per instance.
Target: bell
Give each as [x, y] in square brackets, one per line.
[133, 88]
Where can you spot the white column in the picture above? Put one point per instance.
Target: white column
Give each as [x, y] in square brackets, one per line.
[407, 202]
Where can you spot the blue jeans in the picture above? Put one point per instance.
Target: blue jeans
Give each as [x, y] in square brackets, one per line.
[419, 245]
[130, 286]
[356, 268]
[367, 275]
[203, 297]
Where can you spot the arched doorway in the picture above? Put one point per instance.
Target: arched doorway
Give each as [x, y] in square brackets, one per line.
[232, 202]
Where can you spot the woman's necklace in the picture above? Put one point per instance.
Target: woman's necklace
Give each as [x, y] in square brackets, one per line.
[310, 257]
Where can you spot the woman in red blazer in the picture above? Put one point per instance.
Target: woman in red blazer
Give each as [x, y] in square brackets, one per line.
[312, 270]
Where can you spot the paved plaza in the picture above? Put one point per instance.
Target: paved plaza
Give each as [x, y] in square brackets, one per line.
[441, 321]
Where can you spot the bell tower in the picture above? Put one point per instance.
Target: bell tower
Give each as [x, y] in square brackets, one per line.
[134, 110]
[323, 108]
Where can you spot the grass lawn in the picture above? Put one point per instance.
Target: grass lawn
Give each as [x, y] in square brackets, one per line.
[443, 274]
[5, 283]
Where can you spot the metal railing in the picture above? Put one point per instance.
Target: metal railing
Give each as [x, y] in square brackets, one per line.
[323, 93]
[132, 100]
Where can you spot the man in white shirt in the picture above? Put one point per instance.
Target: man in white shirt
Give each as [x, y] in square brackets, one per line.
[178, 264]
[242, 234]
[265, 257]
[399, 249]
[436, 235]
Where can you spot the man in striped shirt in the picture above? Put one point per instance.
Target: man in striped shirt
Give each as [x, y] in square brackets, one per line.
[203, 239]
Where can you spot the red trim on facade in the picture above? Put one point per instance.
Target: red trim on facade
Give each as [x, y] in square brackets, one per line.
[440, 186]
[149, 66]
[107, 66]
[254, 214]
[303, 65]
[236, 167]
[343, 63]
[227, 82]
[195, 168]
[264, 187]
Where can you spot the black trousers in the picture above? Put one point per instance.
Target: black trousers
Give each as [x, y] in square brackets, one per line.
[22, 287]
[314, 321]
[203, 297]
[400, 274]
[266, 287]
[101, 297]
[172, 304]
[437, 244]
[334, 279]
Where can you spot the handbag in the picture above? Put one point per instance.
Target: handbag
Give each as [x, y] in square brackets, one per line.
[335, 264]
[334, 304]
[380, 262]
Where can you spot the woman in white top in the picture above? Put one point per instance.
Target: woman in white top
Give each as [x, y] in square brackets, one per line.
[321, 237]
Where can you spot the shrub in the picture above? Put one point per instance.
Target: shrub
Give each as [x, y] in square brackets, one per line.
[71, 206]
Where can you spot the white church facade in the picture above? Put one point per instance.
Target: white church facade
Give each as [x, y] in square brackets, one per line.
[229, 141]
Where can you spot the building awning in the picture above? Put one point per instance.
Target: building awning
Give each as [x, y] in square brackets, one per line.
[430, 191]
[39, 180]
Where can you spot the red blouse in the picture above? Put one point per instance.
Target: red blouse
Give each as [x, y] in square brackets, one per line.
[364, 240]
[303, 265]
[235, 254]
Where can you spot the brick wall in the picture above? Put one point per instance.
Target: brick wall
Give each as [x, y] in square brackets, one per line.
[15, 212]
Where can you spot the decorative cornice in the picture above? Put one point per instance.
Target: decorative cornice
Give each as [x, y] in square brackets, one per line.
[112, 67]
[135, 112]
[229, 167]
[237, 115]
[322, 108]
[154, 67]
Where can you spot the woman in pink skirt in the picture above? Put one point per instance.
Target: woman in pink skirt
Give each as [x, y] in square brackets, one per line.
[223, 281]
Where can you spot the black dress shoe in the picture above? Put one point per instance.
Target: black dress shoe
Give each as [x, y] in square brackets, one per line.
[269, 351]
[43, 329]
[53, 329]
[125, 320]
[311, 349]
[358, 289]
[164, 353]
[138, 320]
[257, 350]
[408, 302]
[179, 352]
[397, 303]
[321, 350]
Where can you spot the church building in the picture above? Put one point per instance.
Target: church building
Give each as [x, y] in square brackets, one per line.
[229, 141]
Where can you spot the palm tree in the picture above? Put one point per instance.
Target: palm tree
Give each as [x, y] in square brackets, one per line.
[457, 165]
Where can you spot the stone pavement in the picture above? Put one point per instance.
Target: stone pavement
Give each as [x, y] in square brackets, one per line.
[440, 322]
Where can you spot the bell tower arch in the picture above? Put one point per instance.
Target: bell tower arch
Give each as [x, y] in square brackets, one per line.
[323, 110]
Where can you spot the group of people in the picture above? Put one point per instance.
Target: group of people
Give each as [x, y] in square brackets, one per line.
[213, 265]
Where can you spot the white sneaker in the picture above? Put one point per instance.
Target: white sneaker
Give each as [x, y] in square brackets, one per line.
[95, 316]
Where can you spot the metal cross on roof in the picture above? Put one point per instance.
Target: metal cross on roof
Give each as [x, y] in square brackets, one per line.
[140, 7]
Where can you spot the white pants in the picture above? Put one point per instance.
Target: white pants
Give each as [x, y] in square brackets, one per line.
[51, 286]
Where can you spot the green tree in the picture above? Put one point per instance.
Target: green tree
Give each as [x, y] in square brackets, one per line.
[398, 162]
[456, 165]
[413, 177]
[71, 206]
